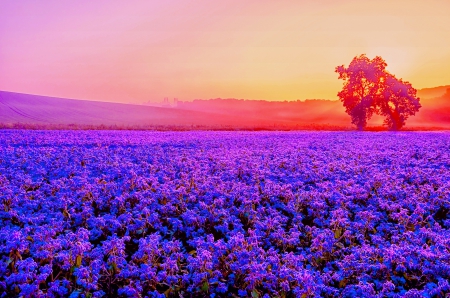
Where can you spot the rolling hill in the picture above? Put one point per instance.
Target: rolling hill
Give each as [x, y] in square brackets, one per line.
[43, 111]
[433, 92]
[26, 110]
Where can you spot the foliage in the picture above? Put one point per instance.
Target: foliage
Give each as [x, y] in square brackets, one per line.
[224, 214]
[369, 89]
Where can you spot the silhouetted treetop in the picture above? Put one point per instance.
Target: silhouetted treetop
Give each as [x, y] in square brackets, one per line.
[369, 88]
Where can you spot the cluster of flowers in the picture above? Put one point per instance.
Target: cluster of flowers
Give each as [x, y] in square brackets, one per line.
[224, 214]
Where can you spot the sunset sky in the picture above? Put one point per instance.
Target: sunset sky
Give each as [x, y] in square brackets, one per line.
[136, 51]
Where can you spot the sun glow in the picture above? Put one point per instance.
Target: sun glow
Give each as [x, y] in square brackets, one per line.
[400, 62]
[284, 50]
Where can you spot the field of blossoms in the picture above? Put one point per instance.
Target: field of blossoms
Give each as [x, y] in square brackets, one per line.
[224, 214]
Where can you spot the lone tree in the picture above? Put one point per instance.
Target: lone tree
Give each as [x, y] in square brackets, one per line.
[369, 88]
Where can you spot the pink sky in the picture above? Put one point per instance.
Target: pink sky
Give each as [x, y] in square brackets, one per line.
[135, 51]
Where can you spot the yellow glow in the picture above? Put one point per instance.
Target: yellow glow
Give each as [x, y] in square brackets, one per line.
[273, 50]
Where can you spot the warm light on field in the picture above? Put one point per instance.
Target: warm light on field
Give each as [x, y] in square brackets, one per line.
[224, 148]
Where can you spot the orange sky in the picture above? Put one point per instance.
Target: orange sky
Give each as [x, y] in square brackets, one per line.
[135, 51]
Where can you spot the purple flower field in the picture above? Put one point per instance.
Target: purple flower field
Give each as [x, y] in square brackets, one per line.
[224, 214]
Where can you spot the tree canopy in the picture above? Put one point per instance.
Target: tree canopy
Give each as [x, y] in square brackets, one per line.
[369, 88]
